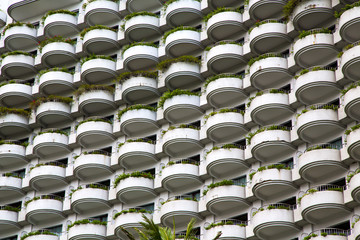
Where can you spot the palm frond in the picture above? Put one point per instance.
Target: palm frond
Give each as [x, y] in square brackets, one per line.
[129, 235]
[150, 228]
[166, 233]
[218, 235]
[190, 233]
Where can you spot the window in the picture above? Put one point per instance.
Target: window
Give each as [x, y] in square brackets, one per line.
[241, 142]
[20, 173]
[10, 238]
[101, 218]
[240, 107]
[55, 229]
[194, 195]
[151, 138]
[151, 171]
[154, 105]
[290, 201]
[337, 143]
[240, 181]
[344, 225]
[341, 182]
[242, 217]
[148, 207]
[60, 194]
[106, 183]
[288, 163]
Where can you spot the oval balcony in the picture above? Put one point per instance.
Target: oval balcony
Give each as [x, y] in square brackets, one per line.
[182, 108]
[17, 66]
[214, 4]
[179, 210]
[181, 141]
[92, 132]
[348, 23]
[134, 189]
[44, 209]
[3, 19]
[61, 24]
[55, 82]
[133, 154]
[323, 202]
[316, 85]
[140, 56]
[270, 107]
[137, 120]
[269, 71]
[182, 75]
[8, 219]
[10, 187]
[52, 112]
[102, 13]
[230, 229]
[260, 10]
[224, 90]
[225, 161]
[58, 54]
[87, 231]
[139, 89]
[350, 62]
[353, 180]
[20, 36]
[225, 57]
[14, 122]
[318, 123]
[142, 27]
[274, 180]
[226, 198]
[334, 233]
[317, 48]
[180, 174]
[356, 229]
[48, 176]
[319, 162]
[183, 42]
[96, 101]
[353, 142]
[274, 221]
[271, 143]
[351, 101]
[128, 220]
[312, 14]
[269, 36]
[51, 143]
[89, 165]
[98, 69]
[41, 234]
[12, 154]
[89, 198]
[225, 125]
[100, 41]
[183, 13]
[225, 25]
[15, 94]
[139, 5]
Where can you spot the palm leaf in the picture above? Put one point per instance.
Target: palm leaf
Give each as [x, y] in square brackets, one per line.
[129, 235]
[218, 235]
[190, 233]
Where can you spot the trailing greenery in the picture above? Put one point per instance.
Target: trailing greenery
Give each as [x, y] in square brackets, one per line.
[43, 197]
[311, 191]
[19, 111]
[24, 144]
[220, 10]
[91, 152]
[180, 126]
[131, 210]
[42, 44]
[52, 12]
[353, 224]
[48, 164]
[273, 166]
[127, 75]
[37, 233]
[169, 94]
[14, 82]
[164, 65]
[224, 110]
[149, 44]
[223, 75]
[55, 69]
[324, 234]
[304, 33]
[352, 86]
[258, 24]
[330, 107]
[225, 146]
[218, 184]
[270, 207]
[314, 69]
[133, 174]
[143, 13]
[53, 131]
[212, 225]
[208, 48]
[317, 147]
[350, 175]
[16, 24]
[92, 120]
[90, 1]
[264, 56]
[51, 98]
[258, 94]
[347, 7]
[86, 30]
[289, 7]
[274, 127]
[86, 221]
[135, 107]
[167, 3]
[11, 175]
[180, 28]
[16, 53]
[176, 199]
[347, 47]
[89, 88]
[135, 140]
[10, 208]
[94, 186]
[93, 56]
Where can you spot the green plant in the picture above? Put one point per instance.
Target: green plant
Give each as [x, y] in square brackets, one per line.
[351, 175]
[218, 184]
[329, 107]
[143, 13]
[224, 110]
[86, 30]
[289, 7]
[42, 44]
[222, 43]
[347, 7]
[180, 126]
[48, 164]
[355, 221]
[320, 147]
[91, 152]
[126, 47]
[314, 69]
[16, 24]
[258, 24]
[90, 1]
[13, 53]
[180, 28]
[258, 94]
[220, 10]
[167, 3]
[135, 140]
[352, 86]
[93, 56]
[226, 146]
[37, 233]
[273, 166]
[55, 69]
[222, 223]
[89, 88]
[304, 33]
[10, 208]
[347, 132]
[14, 82]
[176, 92]
[127, 75]
[11, 175]
[135, 107]
[43, 197]
[51, 98]
[86, 221]
[52, 12]
[216, 77]
[53, 131]
[164, 65]
[271, 128]
[131, 210]
[24, 144]
[310, 236]
[94, 186]
[264, 56]
[133, 174]
[92, 120]
[19, 111]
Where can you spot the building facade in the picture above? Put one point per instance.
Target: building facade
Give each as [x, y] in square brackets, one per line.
[240, 114]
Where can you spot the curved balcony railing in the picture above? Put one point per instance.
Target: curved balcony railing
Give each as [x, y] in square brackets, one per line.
[102, 13]
[92, 164]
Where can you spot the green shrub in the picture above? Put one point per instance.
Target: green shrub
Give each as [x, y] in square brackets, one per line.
[133, 174]
[37, 233]
[220, 10]
[224, 110]
[89, 88]
[13, 53]
[222, 43]
[218, 184]
[176, 92]
[258, 94]
[55, 69]
[223, 75]
[135, 107]
[180, 28]
[273, 166]
[86, 221]
[347, 7]
[10, 208]
[86, 30]
[54, 131]
[167, 3]
[222, 223]
[352, 86]
[19, 111]
[126, 47]
[351, 175]
[43, 197]
[289, 7]
[131, 210]
[264, 56]
[42, 44]
[52, 12]
[90, 1]
[135, 140]
[93, 120]
[258, 24]
[51, 98]
[93, 56]
[303, 34]
[164, 65]
[16, 24]
[274, 127]
[127, 75]
[180, 126]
